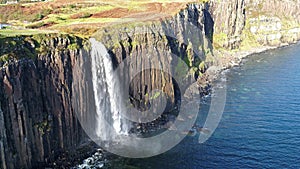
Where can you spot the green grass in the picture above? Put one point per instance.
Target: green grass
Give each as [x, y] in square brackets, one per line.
[13, 32]
[85, 21]
[67, 11]
[219, 40]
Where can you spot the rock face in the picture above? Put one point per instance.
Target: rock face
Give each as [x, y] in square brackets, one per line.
[187, 35]
[277, 23]
[229, 17]
[248, 23]
[37, 119]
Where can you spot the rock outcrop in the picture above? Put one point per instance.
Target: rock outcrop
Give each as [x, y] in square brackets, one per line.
[274, 23]
[229, 17]
[36, 117]
[248, 23]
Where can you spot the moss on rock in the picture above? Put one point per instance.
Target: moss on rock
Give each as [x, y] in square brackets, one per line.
[30, 46]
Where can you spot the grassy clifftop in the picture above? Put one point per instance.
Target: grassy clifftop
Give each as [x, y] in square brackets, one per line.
[83, 17]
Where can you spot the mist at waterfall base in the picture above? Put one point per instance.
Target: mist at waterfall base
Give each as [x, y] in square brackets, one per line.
[260, 124]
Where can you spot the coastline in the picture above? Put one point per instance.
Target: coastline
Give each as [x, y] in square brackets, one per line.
[229, 60]
[239, 57]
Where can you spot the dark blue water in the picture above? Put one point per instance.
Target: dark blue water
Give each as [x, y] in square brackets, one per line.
[260, 127]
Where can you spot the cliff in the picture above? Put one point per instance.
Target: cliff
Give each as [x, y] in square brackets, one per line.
[187, 35]
[37, 121]
[278, 23]
[249, 24]
[37, 117]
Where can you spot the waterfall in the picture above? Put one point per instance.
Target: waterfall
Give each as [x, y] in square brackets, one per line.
[106, 86]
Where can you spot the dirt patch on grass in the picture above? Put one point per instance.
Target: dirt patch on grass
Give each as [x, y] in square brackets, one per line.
[114, 13]
[24, 13]
[82, 29]
[80, 15]
[151, 11]
[166, 8]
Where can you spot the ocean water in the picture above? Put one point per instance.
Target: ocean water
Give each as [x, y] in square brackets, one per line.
[260, 126]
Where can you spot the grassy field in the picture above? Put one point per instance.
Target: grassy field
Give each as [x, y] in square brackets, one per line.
[83, 17]
[13, 32]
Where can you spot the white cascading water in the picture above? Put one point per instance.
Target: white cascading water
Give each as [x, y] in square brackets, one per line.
[107, 93]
